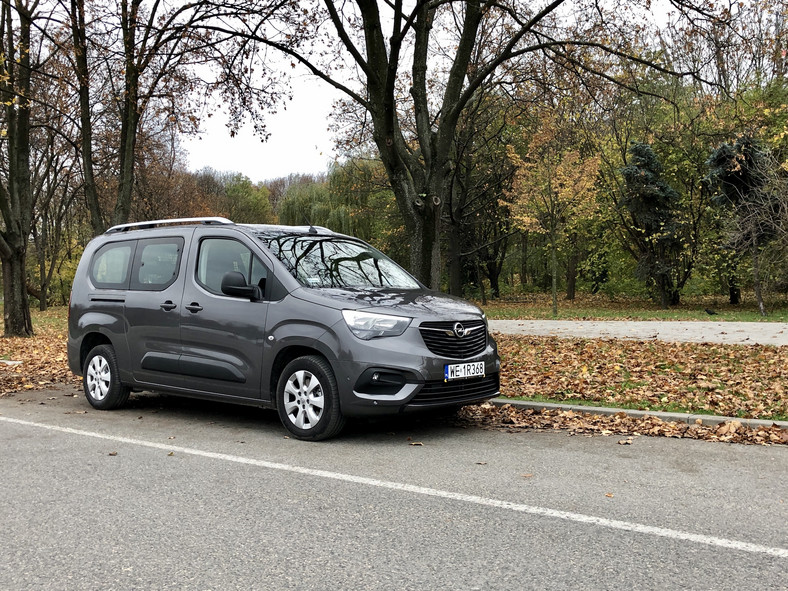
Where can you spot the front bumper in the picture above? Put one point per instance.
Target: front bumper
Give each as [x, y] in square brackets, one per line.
[398, 374]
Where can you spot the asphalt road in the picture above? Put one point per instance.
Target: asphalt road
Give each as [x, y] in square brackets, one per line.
[178, 494]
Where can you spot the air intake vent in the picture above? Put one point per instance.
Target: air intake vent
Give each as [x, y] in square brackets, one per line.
[459, 340]
[459, 392]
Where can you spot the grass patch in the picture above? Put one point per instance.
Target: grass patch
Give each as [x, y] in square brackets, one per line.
[597, 307]
[55, 319]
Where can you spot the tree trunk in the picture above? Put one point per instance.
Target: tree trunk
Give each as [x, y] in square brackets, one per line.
[494, 275]
[17, 321]
[663, 294]
[16, 198]
[455, 260]
[424, 238]
[40, 240]
[130, 113]
[756, 279]
[734, 294]
[524, 259]
[554, 273]
[480, 281]
[78, 33]
[571, 275]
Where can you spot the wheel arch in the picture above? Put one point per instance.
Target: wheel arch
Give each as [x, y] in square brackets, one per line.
[89, 342]
[284, 357]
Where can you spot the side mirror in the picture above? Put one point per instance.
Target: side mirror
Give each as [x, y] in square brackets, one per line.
[234, 284]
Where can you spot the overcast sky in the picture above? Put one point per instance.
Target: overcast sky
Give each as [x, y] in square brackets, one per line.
[299, 142]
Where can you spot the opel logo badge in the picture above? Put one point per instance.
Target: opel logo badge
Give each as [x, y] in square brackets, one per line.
[459, 330]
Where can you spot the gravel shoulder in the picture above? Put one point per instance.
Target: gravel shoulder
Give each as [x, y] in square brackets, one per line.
[731, 333]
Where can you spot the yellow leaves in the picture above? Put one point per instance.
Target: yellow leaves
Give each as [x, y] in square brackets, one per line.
[552, 184]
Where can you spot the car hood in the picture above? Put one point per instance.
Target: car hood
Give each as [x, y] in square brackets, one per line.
[417, 303]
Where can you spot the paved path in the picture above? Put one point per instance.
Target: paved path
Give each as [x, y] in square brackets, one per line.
[181, 494]
[736, 333]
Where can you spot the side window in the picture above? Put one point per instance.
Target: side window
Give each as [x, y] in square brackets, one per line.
[156, 263]
[110, 266]
[218, 256]
[259, 273]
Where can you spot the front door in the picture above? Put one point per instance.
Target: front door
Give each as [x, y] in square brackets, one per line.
[221, 336]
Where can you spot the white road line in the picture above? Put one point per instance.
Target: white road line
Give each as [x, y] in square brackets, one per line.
[431, 492]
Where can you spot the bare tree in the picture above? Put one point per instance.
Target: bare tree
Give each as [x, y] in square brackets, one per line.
[132, 56]
[415, 67]
[16, 198]
[752, 184]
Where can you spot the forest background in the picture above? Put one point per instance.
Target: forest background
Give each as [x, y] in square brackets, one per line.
[493, 148]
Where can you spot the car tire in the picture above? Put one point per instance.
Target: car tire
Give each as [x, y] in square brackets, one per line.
[307, 399]
[101, 379]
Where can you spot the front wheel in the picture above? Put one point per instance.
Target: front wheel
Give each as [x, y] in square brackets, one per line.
[101, 380]
[307, 399]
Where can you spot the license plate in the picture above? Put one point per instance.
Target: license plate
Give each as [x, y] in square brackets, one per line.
[462, 371]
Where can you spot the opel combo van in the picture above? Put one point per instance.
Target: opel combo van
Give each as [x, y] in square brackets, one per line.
[318, 325]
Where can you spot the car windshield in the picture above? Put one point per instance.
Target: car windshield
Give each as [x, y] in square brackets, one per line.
[335, 261]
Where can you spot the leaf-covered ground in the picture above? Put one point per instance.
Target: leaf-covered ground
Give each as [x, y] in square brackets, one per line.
[731, 380]
[43, 360]
[509, 418]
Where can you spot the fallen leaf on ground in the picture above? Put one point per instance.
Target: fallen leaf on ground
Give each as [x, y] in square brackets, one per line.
[513, 419]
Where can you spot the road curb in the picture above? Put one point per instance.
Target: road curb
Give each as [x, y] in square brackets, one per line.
[672, 417]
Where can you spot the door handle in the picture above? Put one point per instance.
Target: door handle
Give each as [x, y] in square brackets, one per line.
[168, 305]
[194, 307]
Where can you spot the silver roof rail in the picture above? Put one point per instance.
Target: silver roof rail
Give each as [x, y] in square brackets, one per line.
[154, 223]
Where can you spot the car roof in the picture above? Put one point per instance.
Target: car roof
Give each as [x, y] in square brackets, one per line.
[269, 230]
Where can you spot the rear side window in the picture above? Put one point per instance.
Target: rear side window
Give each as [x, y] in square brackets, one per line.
[111, 264]
[156, 263]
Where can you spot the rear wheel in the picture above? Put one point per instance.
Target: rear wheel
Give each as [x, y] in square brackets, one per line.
[101, 380]
[307, 399]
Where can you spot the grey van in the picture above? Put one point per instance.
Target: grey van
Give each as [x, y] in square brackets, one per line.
[319, 325]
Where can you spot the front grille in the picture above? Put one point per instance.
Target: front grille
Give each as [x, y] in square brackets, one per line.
[462, 391]
[441, 339]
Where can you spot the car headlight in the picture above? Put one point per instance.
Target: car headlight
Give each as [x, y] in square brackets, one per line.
[366, 325]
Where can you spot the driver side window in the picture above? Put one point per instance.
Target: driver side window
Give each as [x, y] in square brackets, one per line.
[218, 256]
